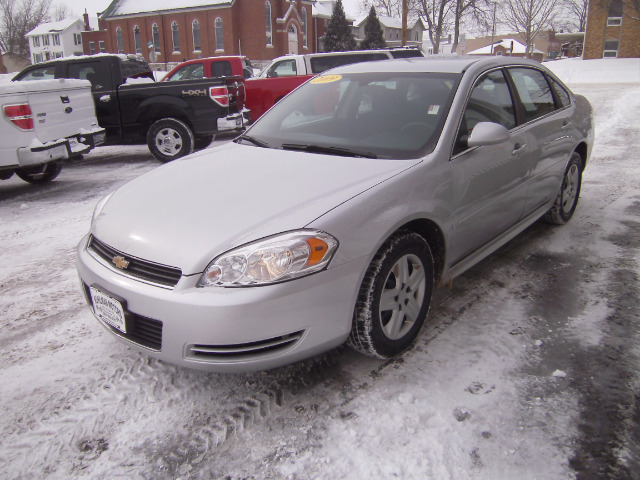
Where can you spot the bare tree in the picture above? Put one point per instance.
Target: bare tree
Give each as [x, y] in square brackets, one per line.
[19, 17]
[477, 10]
[437, 14]
[61, 12]
[529, 17]
[393, 8]
[576, 14]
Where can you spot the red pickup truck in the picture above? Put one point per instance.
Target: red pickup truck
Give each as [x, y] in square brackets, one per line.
[281, 75]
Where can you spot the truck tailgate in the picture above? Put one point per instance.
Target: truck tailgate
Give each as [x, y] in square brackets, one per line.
[60, 108]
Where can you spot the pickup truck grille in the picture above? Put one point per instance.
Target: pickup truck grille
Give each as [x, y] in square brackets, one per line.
[134, 267]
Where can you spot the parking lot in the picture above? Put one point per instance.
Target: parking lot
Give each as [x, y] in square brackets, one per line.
[527, 367]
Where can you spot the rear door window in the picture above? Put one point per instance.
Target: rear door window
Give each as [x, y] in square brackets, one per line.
[563, 96]
[284, 68]
[95, 72]
[534, 92]
[221, 68]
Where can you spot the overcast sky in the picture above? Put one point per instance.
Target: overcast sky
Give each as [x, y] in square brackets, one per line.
[94, 6]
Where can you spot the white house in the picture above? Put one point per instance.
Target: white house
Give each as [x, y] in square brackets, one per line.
[56, 39]
[392, 31]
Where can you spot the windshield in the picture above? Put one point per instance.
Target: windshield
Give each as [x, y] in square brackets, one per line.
[383, 115]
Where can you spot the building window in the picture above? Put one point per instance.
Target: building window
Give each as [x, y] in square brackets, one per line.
[267, 7]
[195, 27]
[92, 48]
[58, 54]
[304, 27]
[37, 57]
[614, 17]
[219, 34]
[156, 37]
[136, 39]
[175, 37]
[36, 41]
[77, 39]
[119, 40]
[45, 40]
[610, 48]
[56, 38]
[103, 49]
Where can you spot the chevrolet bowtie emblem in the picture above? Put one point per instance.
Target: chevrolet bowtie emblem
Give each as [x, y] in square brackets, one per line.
[120, 262]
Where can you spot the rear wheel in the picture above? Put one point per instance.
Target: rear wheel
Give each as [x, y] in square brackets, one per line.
[169, 139]
[394, 297]
[567, 199]
[40, 173]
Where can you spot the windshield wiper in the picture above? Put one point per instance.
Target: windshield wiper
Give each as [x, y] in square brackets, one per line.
[346, 152]
[253, 140]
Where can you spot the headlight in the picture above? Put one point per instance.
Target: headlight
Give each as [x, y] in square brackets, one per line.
[271, 260]
[99, 206]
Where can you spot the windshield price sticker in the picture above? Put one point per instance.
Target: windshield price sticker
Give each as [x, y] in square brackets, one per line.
[326, 79]
[108, 309]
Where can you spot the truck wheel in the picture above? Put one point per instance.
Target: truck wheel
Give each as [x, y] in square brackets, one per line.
[202, 142]
[170, 138]
[40, 173]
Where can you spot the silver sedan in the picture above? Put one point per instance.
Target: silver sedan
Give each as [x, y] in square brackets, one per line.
[334, 217]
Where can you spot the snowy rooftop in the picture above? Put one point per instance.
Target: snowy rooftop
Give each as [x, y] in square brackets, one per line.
[54, 27]
[506, 43]
[132, 7]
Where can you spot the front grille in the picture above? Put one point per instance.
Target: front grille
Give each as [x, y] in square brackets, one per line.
[137, 268]
[141, 330]
[243, 350]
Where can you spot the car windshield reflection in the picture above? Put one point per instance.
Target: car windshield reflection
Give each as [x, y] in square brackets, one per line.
[383, 115]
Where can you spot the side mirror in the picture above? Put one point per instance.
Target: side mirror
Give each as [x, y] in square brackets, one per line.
[487, 133]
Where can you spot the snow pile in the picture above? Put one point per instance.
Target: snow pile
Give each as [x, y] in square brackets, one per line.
[605, 70]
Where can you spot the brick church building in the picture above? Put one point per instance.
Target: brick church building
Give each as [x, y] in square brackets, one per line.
[166, 33]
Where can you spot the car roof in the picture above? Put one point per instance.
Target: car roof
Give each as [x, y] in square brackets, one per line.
[434, 63]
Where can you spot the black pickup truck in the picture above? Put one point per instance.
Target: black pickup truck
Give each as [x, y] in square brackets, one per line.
[173, 118]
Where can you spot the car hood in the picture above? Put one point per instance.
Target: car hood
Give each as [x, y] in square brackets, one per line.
[185, 213]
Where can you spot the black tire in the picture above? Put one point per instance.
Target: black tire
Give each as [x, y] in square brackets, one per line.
[170, 138]
[385, 332]
[41, 173]
[203, 142]
[567, 199]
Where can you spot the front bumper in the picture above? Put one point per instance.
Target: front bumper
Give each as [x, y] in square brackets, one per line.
[232, 329]
[60, 149]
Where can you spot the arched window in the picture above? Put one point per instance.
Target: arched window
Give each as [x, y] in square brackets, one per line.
[219, 34]
[195, 27]
[304, 27]
[136, 39]
[119, 40]
[267, 7]
[175, 37]
[156, 37]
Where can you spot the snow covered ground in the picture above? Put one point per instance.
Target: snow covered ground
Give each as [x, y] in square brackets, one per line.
[527, 368]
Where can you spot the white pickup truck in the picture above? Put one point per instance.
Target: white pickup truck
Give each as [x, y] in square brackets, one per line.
[44, 123]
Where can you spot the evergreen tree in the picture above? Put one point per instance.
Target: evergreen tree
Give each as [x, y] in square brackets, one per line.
[339, 37]
[373, 36]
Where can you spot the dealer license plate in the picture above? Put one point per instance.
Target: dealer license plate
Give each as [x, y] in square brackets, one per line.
[108, 309]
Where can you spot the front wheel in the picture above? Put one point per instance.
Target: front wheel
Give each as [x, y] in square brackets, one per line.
[41, 173]
[170, 138]
[394, 297]
[567, 199]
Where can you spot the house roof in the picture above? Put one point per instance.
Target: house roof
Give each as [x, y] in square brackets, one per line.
[135, 7]
[390, 22]
[54, 27]
[324, 9]
[506, 43]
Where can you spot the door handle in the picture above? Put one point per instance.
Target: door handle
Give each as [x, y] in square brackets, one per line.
[517, 148]
[105, 98]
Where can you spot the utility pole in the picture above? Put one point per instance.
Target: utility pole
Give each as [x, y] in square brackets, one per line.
[404, 22]
[493, 27]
